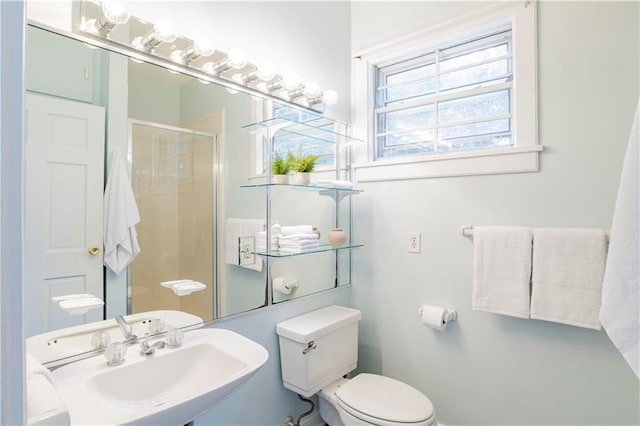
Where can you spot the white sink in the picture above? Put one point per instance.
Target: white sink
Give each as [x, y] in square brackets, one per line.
[170, 388]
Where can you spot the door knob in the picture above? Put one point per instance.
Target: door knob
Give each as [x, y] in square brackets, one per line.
[93, 250]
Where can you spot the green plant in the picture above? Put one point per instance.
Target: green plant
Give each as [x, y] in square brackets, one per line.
[303, 163]
[280, 166]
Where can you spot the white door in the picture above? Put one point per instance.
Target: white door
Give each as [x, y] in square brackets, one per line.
[64, 177]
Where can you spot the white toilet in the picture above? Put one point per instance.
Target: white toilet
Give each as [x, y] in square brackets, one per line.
[318, 348]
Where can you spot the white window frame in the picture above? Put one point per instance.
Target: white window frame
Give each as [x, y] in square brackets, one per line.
[522, 156]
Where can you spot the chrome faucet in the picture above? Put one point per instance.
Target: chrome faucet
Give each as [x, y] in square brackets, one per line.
[126, 329]
[148, 350]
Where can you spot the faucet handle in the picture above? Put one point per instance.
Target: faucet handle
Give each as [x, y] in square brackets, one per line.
[174, 337]
[115, 353]
[100, 340]
[156, 326]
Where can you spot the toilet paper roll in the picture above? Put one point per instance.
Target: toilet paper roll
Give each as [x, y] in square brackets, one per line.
[435, 317]
[284, 285]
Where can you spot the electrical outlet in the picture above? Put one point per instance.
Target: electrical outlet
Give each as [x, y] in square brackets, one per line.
[414, 242]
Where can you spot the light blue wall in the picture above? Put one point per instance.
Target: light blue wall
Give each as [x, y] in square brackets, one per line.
[263, 400]
[488, 369]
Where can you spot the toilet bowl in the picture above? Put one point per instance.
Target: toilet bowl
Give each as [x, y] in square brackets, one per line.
[370, 399]
[318, 348]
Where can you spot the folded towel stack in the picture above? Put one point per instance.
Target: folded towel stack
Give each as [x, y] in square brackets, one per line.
[335, 183]
[294, 239]
[262, 241]
[261, 244]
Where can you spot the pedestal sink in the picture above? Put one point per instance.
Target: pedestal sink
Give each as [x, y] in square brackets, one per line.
[171, 387]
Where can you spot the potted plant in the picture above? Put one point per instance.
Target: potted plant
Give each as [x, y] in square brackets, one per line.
[303, 165]
[280, 167]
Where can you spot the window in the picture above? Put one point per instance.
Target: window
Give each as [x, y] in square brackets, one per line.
[456, 99]
[452, 99]
[286, 142]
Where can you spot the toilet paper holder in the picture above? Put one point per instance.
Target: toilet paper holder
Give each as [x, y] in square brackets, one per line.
[437, 317]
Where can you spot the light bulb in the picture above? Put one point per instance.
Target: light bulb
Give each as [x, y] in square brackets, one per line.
[238, 78]
[290, 81]
[163, 30]
[204, 46]
[178, 56]
[266, 71]
[330, 97]
[114, 12]
[311, 89]
[209, 68]
[237, 58]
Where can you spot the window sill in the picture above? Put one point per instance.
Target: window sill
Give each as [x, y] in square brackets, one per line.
[469, 163]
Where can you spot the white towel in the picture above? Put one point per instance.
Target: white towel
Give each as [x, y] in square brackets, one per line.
[43, 400]
[299, 237]
[566, 277]
[620, 313]
[296, 229]
[120, 217]
[299, 249]
[346, 184]
[501, 270]
[299, 244]
[33, 368]
[235, 229]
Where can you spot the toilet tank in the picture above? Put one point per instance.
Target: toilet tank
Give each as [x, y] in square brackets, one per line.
[318, 348]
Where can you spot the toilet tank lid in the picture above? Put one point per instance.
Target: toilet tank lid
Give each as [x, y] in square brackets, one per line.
[312, 325]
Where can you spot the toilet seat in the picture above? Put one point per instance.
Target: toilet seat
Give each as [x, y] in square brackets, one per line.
[384, 401]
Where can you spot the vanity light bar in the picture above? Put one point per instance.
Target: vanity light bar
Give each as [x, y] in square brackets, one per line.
[263, 77]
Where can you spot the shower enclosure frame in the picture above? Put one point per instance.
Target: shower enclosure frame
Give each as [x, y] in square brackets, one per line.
[215, 173]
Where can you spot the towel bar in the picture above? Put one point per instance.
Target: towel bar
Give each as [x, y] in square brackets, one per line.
[467, 231]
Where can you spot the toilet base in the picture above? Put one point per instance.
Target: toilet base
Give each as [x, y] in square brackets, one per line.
[326, 398]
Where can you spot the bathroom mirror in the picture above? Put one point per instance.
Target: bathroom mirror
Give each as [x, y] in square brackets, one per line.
[189, 156]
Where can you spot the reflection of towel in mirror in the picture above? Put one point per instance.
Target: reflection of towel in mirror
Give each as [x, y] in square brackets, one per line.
[120, 217]
[298, 242]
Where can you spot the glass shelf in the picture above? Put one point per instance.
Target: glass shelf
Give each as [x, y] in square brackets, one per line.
[322, 249]
[337, 193]
[319, 129]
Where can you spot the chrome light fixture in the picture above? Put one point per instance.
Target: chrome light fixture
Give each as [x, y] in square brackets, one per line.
[185, 52]
[264, 72]
[163, 32]
[112, 15]
[201, 47]
[328, 97]
[236, 59]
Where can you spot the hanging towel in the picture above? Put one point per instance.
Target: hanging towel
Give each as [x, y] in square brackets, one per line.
[620, 313]
[566, 277]
[501, 270]
[120, 217]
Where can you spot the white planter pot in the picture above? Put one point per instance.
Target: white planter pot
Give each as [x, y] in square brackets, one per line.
[279, 179]
[302, 178]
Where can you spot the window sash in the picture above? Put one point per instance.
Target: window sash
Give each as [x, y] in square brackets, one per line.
[432, 138]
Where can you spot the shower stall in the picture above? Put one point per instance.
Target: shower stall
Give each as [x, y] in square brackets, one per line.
[173, 175]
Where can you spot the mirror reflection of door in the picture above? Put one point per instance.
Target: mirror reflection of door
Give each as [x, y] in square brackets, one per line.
[63, 223]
